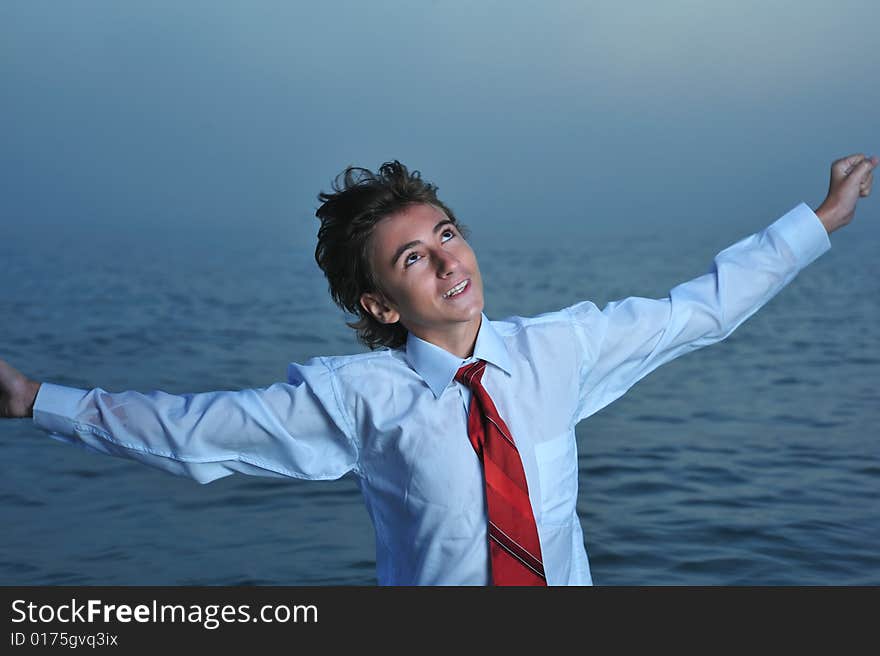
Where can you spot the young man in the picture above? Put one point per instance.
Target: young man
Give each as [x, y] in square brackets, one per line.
[460, 431]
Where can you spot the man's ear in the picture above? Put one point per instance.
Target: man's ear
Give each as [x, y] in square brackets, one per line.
[377, 306]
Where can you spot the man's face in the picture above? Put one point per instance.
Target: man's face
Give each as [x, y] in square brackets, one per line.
[418, 256]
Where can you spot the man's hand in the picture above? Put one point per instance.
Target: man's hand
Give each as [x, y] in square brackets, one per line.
[851, 177]
[17, 393]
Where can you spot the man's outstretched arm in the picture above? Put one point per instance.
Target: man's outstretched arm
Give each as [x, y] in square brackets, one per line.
[630, 338]
[285, 430]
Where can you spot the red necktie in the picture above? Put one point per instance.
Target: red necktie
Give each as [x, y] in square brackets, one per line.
[514, 548]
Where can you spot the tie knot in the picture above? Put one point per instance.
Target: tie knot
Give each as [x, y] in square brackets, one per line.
[470, 374]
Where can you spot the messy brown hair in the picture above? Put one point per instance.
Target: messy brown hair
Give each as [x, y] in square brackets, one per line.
[362, 199]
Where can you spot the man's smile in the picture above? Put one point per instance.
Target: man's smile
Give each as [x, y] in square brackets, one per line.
[458, 289]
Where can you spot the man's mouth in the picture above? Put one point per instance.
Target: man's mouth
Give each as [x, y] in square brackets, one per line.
[458, 289]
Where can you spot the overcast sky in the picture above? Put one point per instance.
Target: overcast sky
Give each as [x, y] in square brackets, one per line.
[532, 117]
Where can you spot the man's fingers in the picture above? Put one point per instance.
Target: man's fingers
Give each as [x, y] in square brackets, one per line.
[866, 166]
[851, 163]
[862, 170]
[865, 188]
[846, 164]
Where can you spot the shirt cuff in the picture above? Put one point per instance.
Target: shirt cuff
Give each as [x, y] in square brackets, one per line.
[804, 233]
[56, 406]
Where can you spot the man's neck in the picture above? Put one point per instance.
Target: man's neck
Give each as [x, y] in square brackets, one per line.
[460, 342]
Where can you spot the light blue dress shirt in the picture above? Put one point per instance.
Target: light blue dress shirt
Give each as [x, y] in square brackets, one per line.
[396, 419]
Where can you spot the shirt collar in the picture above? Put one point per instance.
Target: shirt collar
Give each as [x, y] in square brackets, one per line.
[438, 367]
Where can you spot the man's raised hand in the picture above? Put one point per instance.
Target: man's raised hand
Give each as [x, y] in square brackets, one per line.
[17, 393]
[851, 178]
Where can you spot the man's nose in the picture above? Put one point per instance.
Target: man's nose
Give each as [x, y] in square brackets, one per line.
[446, 263]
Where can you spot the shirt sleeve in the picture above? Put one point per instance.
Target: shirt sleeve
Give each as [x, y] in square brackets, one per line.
[628, 339]
[293, 429]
